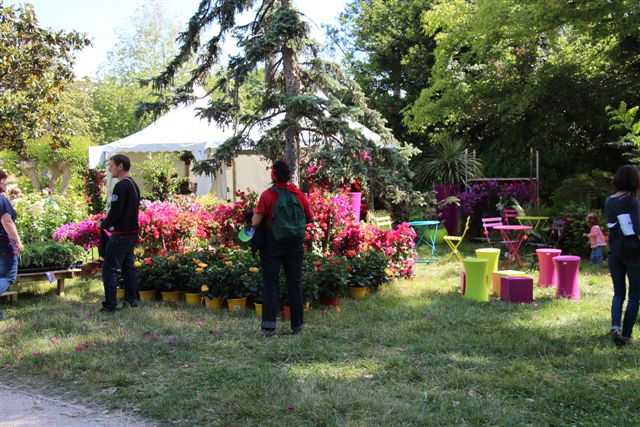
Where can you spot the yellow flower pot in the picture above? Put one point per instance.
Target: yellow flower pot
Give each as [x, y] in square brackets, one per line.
[192, 298]
[213, 303]
[307, 306]
[236, 304]
[120, 293]
[258, 308]
[173, 296]
[358, 292]
[147, 295]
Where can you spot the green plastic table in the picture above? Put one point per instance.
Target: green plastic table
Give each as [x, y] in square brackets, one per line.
[493, 256]
[476, 271]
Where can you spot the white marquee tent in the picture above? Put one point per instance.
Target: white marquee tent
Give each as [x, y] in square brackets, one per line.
[181, 130]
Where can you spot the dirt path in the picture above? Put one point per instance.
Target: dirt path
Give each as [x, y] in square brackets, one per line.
[19, 408]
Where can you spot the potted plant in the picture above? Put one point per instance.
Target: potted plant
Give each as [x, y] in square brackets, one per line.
[310, 279]
[147, 275]
[448, 165]
[216, 278]
[191, 271]
[333, 275]
[239, 263]
[359, 274]
[164, 280]
[252, 281]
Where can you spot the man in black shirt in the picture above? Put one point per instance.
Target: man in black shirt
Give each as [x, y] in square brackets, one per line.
[121, 224]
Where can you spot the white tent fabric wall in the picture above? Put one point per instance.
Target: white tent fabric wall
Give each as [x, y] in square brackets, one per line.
[178, 130]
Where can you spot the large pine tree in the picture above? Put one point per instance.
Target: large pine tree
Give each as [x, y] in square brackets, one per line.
[300, 94]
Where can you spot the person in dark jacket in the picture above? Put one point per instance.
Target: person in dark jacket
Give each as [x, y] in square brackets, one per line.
[274, 253]
[621, 265]
[121, 224]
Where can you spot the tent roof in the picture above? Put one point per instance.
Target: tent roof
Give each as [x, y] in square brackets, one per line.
[178, 130]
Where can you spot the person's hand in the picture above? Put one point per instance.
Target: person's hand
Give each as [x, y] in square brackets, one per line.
[20, 248]
[248, 216]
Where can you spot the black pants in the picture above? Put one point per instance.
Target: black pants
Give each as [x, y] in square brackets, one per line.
[118, 255]
[272, 255]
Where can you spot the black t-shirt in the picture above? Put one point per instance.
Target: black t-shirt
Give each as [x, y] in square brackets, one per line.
[123, 206]
[7, 246]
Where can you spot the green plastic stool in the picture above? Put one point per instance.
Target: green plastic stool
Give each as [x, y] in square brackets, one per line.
[493, 256]
[476, 271]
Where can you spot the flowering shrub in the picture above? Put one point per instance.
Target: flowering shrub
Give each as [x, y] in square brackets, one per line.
[367, 268]
[84, 233]
[168, 227]
[488, 198]
[229, 218]
[39, 215]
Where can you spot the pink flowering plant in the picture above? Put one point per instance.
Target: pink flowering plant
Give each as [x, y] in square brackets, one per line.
[84, 233]
[229, 218]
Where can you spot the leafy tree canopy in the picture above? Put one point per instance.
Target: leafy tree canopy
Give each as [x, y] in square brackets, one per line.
[301, 93]
[35, 66]
[510, 75]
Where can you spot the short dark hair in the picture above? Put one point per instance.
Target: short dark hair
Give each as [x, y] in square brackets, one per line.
[282, 171]
[121, 159]
[627, 179]
[3, 174]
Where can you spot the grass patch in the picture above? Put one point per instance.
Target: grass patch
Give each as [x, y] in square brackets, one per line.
[414, 353]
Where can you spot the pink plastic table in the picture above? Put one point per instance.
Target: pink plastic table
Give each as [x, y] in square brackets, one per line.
[514, 242]
[547, 275]
[567, 267]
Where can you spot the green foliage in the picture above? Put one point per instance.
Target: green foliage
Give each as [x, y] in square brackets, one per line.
[159, 174]
[573, 242]
[309, 282]
[143, 46]
[512, 76]
[35, 66]
[115, 104]
[584, 189]
[40, 215]
[152, 274]
[448, 161]
[333, 276]
[300, 93]
[368, 269]
[388, 53]
[625, 119]
[50, 254]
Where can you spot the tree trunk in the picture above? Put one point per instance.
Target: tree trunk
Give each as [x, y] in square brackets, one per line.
[66, 178]
[28, 169]
[293, 85]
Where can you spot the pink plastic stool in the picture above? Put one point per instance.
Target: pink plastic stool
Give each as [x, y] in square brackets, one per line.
[463, 282]
[547, 275]
[567, 267]
[516, 289]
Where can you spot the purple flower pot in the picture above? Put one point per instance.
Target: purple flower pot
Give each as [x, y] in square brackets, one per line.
[451, 212]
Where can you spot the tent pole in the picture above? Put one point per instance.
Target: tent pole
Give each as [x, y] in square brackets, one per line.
[233, 166]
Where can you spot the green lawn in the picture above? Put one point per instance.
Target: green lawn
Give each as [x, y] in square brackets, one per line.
[414, 353]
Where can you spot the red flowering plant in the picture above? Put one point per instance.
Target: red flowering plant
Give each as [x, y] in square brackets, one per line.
[229, 218]
[332, 214]
[168, 227]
